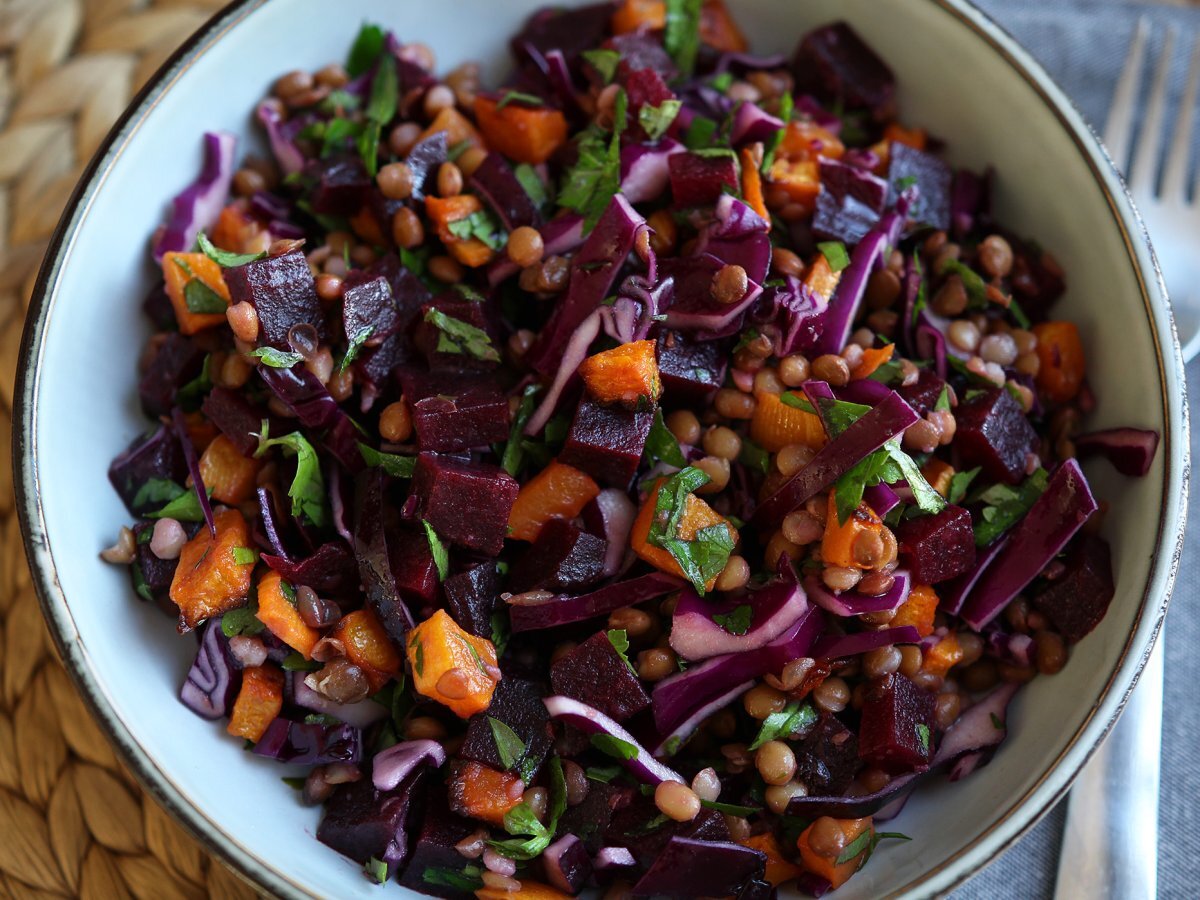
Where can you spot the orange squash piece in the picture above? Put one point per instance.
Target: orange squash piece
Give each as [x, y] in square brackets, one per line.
[368, 646]
[916, 138]
[779, 868]
[480, 792]
[837, 544]
[827, 868]
[943, 656]
[458, 128]
[800, 178]
[452, 666]
[939, 475]
[178, 270]
[277, 610]
[1061, 360]
[229, 475]
[627, 374]
[239, 232]
[200, 430]
[752, 190]
[873, 358]
[208, 580]
[524, 134]
[719, 30]
[558, 490]
[529, 890]
[774, 425]
[697, 515]
[821, 279]
[918, 610]
[444, 210]
[258, 702]
[805, 139]
[635, 14]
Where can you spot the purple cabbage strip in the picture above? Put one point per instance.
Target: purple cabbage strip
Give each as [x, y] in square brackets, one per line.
[643, 766]
[881, 498]
[955, 593]
[303, 744]
[615, 513]
[644, 174]
[393, 765]
[210, 686]
[189, 454]
[361, 714]
[696, 633]
[738, 236]
[752, 123]
[833, 646]
[671, 742]
[544, 610]
[270, 523]
[283, 146]
[851, 603]
[199, 205]
[569, 362]
[559, 236]
[791, 315]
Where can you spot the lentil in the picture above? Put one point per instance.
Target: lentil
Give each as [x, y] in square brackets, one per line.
[525, 247]
[996, 256]
[446, 269]
[656, 664]
[776, 762]
[801, 527]
[676, 801]
[831, 368]
[951, 298]
[407, 230]
[1050, 652]
[735, 575]
[785, 263]
[706, 785]
[634, 622]
[825, 838]
[881, 661]
[838, 578]
[733, 404]
[243, 319]
[762, 700]
[779, 796]
[340, 681]
[730, 284]
[449, 180]
[395, 422]
[883, 289]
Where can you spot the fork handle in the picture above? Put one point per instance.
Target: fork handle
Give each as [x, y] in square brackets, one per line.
[1110, 845]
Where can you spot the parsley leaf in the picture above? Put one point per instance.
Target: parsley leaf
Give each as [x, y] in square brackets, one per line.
[192, 393]
[308, 486]
[277, 359]
[972, 281]
[620, 641]
[655, 120]
[532, 182]
[1014, 309]
[996, 723]
[730, 808]
[184, 508]
[392, 463]
[365, 50]
[224, 258]
[959, 482]
[867, 842]
[703, 557]
[737, 620]
[197, 295]
[604, 62]
[521, 820]
[243, 620]
[661, 445]
[510, 747]
[514, 450]
[381, 108]
[441, 557]
[479, 225]
[589, 185]
[355, 345]
[377, 870]
[787, 106]
[754, 456]
[157, 490]
[614, 746]
[1007, 505]
[519, 97]
[888, 464]
[682, 36]
[923, 735]
[791, 720]
[458, 336]
[700, 133]
[603, 774]
[835, 254]
[244, 556]
[467, 880]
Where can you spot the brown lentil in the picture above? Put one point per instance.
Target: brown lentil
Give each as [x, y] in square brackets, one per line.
[1050, 652]
[437, 98]
[877, 619]
[684, 425]
[576, 783]
[762, 700]
[776, 762]
[655, 664]
[395, 181]
[1000, 349]
[951, 297]
[980, 676]
[881, 661]
[776, 547]
[341, 385]
[792, 458]
[470, 160]
[784, 263]
[832, 694]
[525, 246]
[766, 381]
[340, 681]
[995, 256]
[446, 269]
[733, 404]
[868, 549]
[663, 232]
[407, 230]
[403, 137]
[243, 320]
[329, 287]
[706, 785]
[735, 575]
[717, 469]
[634, 622]
[395, 422]
[449, 180]
[853, 355]
[124, 551]
[316, 611]
[552, 275]
[910, 660]
[831, 368]
[873, 779]
[293, 84]
[883, 289]
[235, 371]
[884, 322]
[676, 801]
[498, 882]
[730, 284]
[793, 370]
[944, 256]
[963, 334]
[779, 795]
[454, 683]
[946, 709]
[1014, 673]
[739, 828]
[801, 527]
[876, 584]
[839, 578]
[826, 838]
[248, 181]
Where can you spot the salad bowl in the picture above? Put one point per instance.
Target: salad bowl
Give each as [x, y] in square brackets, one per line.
[959, 75]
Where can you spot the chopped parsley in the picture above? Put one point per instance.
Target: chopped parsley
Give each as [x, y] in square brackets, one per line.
[224, 258]
[619, 638]
[835, 254]
[508, 745]
[377, 870]
[519, 97]
[589, 185]
[277, 359]
[737, 620]
[614, 746]
[661, 445]
[461, 337]
[243, 620]
[682, 35]
[197, 295]
[1005, 506]
[703, 557]
[794, 718]
[393, 464]
[244, 556]
[867, 842]
[923, 736]
[468, 879]
[355, 344]
[365, 50]
[381, 108]
[787, 106]
[532, 837]
[605, 62]
[441, 557]
[157, 490]
[184, 508]
[532, 182]
[481, 226]
[308, 486]
[959, 483]
[655, 120]
[754, 456]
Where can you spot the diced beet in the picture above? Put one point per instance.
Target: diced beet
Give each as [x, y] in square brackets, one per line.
[423, 161]
[757, 889]
[156, 574]
[642, 50]
[896, 733]
[835, 64]
[412, 565]
[1036, 280]
[375, 366]
[158, 309]
[933, 179]
[427, 337]
[687, 867]
[495, 182]
[638, 827]
[466, 503]
[518, 704]
[644, 87]
[330, 569]
[434, 849]
[157, 456]
[590, 820]
[567, 864]
[371, 551]
[937, 547]
[282, 291]
[698, 180]
[606, 442]
[377, 305]
[994, 433]
[924, 393]
[691, 371]
[455, 412]
[570, 31]
[339, 185]
[563, 558]
[1077, 600]
[177, 362]
[596, 674]
[472, 595]
[232, 413]
[827, 757]
[361, 822]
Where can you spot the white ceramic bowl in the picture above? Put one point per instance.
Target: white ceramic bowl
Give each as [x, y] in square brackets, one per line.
[958, 74]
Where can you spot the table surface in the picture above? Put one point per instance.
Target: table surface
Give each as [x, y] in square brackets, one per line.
[73, 822]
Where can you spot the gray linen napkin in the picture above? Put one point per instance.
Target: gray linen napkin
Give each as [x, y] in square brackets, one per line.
[1082, 43]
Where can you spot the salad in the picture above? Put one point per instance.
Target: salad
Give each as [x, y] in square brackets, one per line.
[642, 474]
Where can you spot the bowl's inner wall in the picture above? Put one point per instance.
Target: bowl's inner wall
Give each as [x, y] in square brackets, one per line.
[950, 81]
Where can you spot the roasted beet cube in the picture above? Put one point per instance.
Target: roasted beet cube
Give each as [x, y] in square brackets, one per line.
[896, 733]
[690, 370]
[567, 864]
[371, 553]
[639, 827]
[232, 413]
[937, 547]
[151, 576]
[827, 758]
[148, 459]
[471, 597]
[361, 822]
[924, 393]
[596, 674]
[454, 412]
[932, 178]
[699, 180]
[835, 64]
[606, 442]
[1077, 599]
[433, 850]
[570, 31]
[423, 161]
[644, 87]
[642, 50]
[339, 185]
[994, 433]
[563, 558]
[177, 362]
[590, 820]
[465, 503]
[373, 311]
[446, 352]
[496, 184]
[412, 565]
[282, 291]
[158, 309]
[518, 704]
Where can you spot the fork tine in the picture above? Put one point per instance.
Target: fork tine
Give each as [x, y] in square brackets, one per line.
[1145, 159]
[1174, 186]
[1119, 128]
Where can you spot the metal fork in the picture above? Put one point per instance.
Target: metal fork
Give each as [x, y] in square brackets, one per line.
[1110, 845]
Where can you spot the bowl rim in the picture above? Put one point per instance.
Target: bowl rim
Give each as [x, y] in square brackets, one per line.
[1020, 815]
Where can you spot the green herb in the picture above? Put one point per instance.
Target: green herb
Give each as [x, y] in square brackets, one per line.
[157, 490]
[722, 82]
[192, 393]
[295, 662]
[244, 556]
[140, 587]
[923, 735]
[1007, 505]
[682, 35]
[393, 464]
[589, 185]
[835, 254]
[614, 746]
[519, 97]
[996, 723]
[943, 400]
[466, 880]
[184, 508]
[605, 62]
[356, 344]
[699, 133]
[650, 827]
[418, 647]
[905, 183]
[1017, 313]
[381, 108]
[532, 182]
[308, 486]
[414, 260]
[703, 557]
[655, 120]
[754, 456]
[294, 781]
[888, 464]
[500, 631]
[321, 719]
[603, 774]
[867, 842]
[289, 592]
[890, 372]
[620, 641]
[959, 483]
[365, 50]
[457, 150]
[460, 337]
[377, 870]
[791, 720]
[482, 226]
[510, 747]
[972, 281]
[224, 258]
[737, 620]
[197, 295]
[731, 809]
[339, 101]
[521, 820]
[243, 620]
[514, 452]
[787, 105]
[661, 445]
[441, 557]
[277, 359]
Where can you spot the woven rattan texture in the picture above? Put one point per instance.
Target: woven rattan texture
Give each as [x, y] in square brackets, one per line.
[73, 823]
